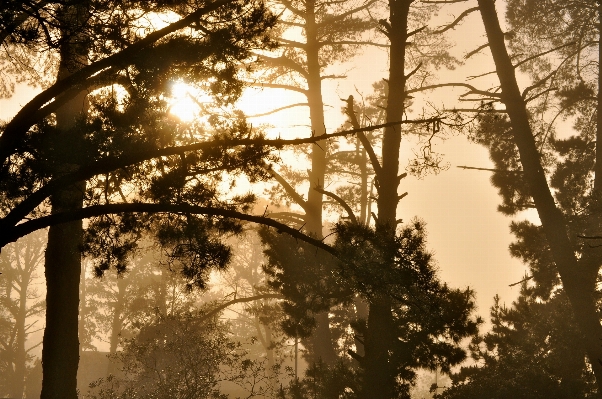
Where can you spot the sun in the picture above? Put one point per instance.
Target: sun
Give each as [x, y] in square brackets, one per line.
[184, 103]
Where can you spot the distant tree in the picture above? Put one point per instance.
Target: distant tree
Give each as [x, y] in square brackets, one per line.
[531, 352]
[177, 356]
[20, 310]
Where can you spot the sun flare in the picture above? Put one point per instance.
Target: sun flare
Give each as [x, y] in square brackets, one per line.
[183, 104]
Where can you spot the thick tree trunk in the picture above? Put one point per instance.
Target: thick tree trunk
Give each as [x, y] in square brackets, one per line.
[379, 378]
[578, 280]
[60, 351]
[321, 338]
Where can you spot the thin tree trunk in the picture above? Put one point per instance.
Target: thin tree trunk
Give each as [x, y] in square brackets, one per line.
[321, 337]
[60, 351]
[20, 353]
[117, 322]
[598, 167]
[578, 279]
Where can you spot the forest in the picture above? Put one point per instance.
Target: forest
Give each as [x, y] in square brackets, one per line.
[205, 198]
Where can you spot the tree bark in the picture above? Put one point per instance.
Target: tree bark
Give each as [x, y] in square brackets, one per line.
[60, 351]
[578, 280]
[379, 378]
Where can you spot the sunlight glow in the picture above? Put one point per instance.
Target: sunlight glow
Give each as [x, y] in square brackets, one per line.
[183, 104]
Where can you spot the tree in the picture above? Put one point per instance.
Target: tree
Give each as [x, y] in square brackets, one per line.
[576, 262]
[18, 306]
[176, 356]
[332, 33]
[51, 158]
[531, 352]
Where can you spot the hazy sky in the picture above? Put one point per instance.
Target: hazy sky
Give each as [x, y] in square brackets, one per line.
[467, 235]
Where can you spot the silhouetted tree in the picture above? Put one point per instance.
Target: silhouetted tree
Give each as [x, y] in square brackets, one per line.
[530, 352]
[552, 175]
[48, 156]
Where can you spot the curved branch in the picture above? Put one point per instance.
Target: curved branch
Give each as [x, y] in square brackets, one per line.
[340, 201]
[30, 226]
[109, 164]
[277, 110]
[475, 51]
[223, 306]
[473, 90]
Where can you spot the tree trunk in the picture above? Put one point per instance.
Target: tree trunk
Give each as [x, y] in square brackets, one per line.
[117, 322]
[578, 279]
[60, 351]
[379, 378]
[598, 168]
[20, 352]
[321, 338]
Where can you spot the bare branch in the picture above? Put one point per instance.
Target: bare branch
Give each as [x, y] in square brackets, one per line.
[277, 110]
[457, 20]
[229, 303]
[278, 86]
[518, 172]
[416, 31]
[353, 43]
[475, 51]
[290, 190]
[473, 90]
[340, 201]
[527, 278]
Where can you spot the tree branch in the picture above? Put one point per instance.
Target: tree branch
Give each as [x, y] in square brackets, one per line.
[278, 86]
[353, 43]
[290, 190]
[225, 305]
[362, 137]
[277, 110]
[340, 201]
[345, 14]
[30, 226]
[109, 164]
[283, 62]
[16, 129]
[457, 20]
